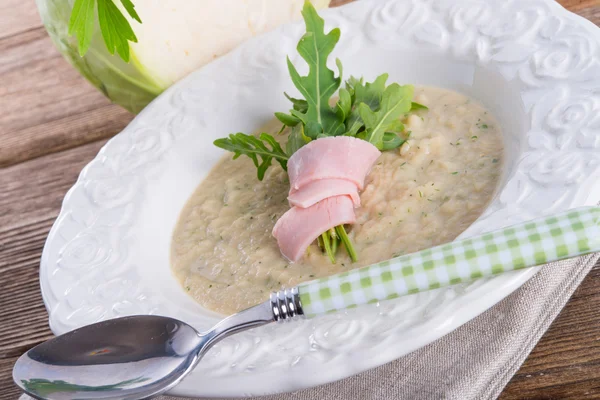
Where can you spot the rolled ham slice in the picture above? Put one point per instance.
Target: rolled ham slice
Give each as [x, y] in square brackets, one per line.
[339, 157]
[325, 177]
[318, 190]
[299, 227]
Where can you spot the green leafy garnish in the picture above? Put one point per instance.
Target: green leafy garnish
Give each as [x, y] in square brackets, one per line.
[115, 28]
[371, 93]
[81, 23]
[327, 246]
[320, 83]
[296, 139]
[343, 107]
[396, 101]
[287, 119]
[367, 93]
[299, 104]
[341, 231]
[130, 8]
[417, 106]
[391, 141]
[255, 148]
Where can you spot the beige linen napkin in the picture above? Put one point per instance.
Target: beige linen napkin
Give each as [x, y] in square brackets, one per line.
[475, 361]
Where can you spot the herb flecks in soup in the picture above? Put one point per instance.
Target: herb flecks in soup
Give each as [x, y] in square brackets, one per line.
[424, 193]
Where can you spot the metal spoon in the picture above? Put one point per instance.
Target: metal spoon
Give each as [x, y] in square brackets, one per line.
[133, 357]
[143, 356]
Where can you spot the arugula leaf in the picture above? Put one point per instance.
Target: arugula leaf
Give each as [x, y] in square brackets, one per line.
[371, 93]
[391, 141]
[286, 119]
[368, 93]
[396, 100]
[396, 126]
[314, 130]
[344, 104]
[296, 139]
[352, 82]
[115, 28]
[255, 148]
[418, 106]
[354, 124]
[298, 104]
[302, 117]
[81, 23]
[320, 83]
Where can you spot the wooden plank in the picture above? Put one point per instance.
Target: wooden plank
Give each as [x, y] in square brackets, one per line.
[33, 191]
[336, 3]
[30, 198]
[17, 16]
[9, 391]
[576, 5]
[47, 106]
[566, 361]
[30, 194]
[591, 13]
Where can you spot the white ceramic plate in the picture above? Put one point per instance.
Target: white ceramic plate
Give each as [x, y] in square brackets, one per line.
[533, 64]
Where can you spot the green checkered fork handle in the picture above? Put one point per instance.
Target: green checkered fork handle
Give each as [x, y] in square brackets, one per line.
[569, 234]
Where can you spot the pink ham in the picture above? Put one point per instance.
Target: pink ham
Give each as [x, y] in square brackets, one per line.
[299, 227]
[340, 157]
[318, 190]
[325, 177]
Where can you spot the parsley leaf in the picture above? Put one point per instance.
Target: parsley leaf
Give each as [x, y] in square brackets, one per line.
[81, 23]
[115, 28]
[396, 100]
[320, 83]
[130, 8]
[256, 148]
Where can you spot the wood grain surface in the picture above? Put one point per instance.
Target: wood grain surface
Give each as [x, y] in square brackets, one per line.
[52, 123]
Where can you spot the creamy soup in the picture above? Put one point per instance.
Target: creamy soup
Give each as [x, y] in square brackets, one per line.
[424, 193]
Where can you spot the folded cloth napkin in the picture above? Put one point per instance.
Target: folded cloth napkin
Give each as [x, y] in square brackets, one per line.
[475, 361]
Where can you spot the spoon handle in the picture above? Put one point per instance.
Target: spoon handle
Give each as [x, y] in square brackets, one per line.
[565, 235]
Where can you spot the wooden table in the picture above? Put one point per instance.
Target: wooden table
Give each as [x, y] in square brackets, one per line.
[52, 123]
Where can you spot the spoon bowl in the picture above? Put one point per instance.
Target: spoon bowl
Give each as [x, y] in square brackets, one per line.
[129, 357]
